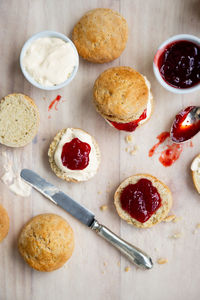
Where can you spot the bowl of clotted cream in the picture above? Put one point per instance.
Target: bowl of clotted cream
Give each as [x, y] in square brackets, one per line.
[49, 60]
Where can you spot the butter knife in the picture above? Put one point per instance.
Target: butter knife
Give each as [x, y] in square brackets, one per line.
[134, 254]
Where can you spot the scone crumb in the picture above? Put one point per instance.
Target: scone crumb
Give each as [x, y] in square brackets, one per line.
[162, 261]
[127, 149]
[176, 235]
[127, 269]
[176, 219]
[128, 139]
[198, 226]
[133, 152]
[99, 192]
[169, 218]
[118, 263]
[103, 207]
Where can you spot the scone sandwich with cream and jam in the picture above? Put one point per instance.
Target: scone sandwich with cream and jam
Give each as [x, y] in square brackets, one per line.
[123, 98]
[142, 200]
[74, 155]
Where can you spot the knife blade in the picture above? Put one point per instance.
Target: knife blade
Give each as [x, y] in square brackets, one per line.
[134, 254]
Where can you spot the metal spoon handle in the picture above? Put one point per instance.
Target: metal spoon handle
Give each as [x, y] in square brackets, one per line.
[135, 255]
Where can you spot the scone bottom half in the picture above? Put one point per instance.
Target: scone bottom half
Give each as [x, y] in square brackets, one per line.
[19, 120]
[74, 155]
[46, 242]
[142, 200]
[122, 96]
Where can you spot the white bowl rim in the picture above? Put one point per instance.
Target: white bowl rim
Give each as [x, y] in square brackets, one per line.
[178, 37]
[47, 33]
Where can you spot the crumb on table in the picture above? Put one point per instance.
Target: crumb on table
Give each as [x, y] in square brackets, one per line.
[127, 269]
[198, 226]
[128, 138]
[99, 192]
[103, 207]
[162, 261]
[169, 218]
[176, 235]
[118, 263]
[176, 219]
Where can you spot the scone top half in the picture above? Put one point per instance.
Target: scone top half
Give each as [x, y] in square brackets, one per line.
[142, 200]
[100, 35]
[122, 95]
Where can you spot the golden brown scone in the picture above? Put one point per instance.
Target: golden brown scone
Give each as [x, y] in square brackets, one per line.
[4, 223]
[195, 167]
[19, 120]
[51, 152]
[101, 35]
[121, 94]
[46, 242]
[159, 214]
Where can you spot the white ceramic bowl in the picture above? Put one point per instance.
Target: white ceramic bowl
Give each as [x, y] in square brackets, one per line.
[179, 37]
[26, 46]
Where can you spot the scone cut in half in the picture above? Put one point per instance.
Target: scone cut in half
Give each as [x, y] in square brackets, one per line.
[122, 96]
[19, 120]
[46, 242]
[142, 200]
[100, 35]
[4, 223]
[195, 168]
[74, 155]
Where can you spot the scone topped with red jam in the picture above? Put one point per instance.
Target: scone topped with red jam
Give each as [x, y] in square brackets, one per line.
[74, 155]
[123, 97]
[142, 200]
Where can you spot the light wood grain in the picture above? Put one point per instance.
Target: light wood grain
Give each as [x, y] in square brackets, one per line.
[85, 276]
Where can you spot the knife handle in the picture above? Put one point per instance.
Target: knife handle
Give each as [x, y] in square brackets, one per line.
[134, 254]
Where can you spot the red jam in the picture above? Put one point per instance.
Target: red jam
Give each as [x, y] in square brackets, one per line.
[161, 137]
[131, 126]
[183, 131]
[55, 101]
[75, 155]
[171, 154]
[179, 64]
[140, 200]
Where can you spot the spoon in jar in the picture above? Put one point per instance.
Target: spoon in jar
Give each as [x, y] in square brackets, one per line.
[186, 124]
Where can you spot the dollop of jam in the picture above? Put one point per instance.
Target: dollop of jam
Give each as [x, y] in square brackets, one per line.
[171, 154]
[75, 154]
[183, 130]
[179, 64]
[131, 126]
[140, 200]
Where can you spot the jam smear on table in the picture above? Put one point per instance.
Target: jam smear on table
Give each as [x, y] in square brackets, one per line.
[75, 154]
[182, 130]
[179, 64]
[140, 200]
[161, 137]
[55, 101]
[131, 126]
[171, 154]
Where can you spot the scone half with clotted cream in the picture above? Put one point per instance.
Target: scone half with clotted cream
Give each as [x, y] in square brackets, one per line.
[123, 98]
[74, 155]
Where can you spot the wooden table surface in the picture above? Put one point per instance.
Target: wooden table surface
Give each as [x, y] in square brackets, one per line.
[96, 270]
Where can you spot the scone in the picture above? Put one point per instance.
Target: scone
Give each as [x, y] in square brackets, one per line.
[101, 35]
[74, 155]
[4, 223]
[46, 242]
[142, 200]
[195, 168]
[19, 120]
[123, 98]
